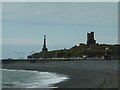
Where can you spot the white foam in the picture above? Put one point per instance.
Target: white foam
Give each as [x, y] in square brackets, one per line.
[13, 70]
[34, 79]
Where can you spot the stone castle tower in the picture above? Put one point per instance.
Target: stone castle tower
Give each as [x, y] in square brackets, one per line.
[44, 49]
[90, 39]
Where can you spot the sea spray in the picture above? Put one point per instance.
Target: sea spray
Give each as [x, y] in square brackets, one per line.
[30, 79]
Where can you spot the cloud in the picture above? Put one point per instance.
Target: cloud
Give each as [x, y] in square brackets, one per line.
[0, 41]
[0, 11]
[19, 41]
[108, 40]
[61, 13]
[60, 0]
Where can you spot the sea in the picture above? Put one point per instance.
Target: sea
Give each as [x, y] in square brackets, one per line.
[30, 79]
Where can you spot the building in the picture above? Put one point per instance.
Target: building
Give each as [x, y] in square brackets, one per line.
[90, 39]
[82, 44]
[44, 49]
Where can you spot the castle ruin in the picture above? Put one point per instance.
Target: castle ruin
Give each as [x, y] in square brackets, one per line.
[90, 39]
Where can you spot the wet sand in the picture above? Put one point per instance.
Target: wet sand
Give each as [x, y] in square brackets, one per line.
[82, 74]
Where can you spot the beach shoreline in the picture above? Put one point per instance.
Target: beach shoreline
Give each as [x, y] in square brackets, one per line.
[82, 74]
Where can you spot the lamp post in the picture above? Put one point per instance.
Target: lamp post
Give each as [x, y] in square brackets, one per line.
[106, 49]
[56, 53]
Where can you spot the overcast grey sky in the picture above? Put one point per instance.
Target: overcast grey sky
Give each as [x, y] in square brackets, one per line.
[27, 22]
[65, 24]
[60, 0]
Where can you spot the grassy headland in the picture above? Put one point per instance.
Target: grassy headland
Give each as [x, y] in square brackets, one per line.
[96, 51]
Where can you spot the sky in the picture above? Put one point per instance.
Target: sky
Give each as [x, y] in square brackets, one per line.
[64, 23]
[59, 0]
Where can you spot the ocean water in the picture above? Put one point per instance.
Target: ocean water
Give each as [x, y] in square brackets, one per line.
[30, 79]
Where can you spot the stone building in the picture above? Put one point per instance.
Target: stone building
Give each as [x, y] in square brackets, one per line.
[90, 39]
[44, 49]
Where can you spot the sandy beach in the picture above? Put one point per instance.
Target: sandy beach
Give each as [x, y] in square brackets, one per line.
[82, 74]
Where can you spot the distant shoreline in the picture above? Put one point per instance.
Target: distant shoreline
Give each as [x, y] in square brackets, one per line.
[82, 74]
[55, 59]
[81, 51]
